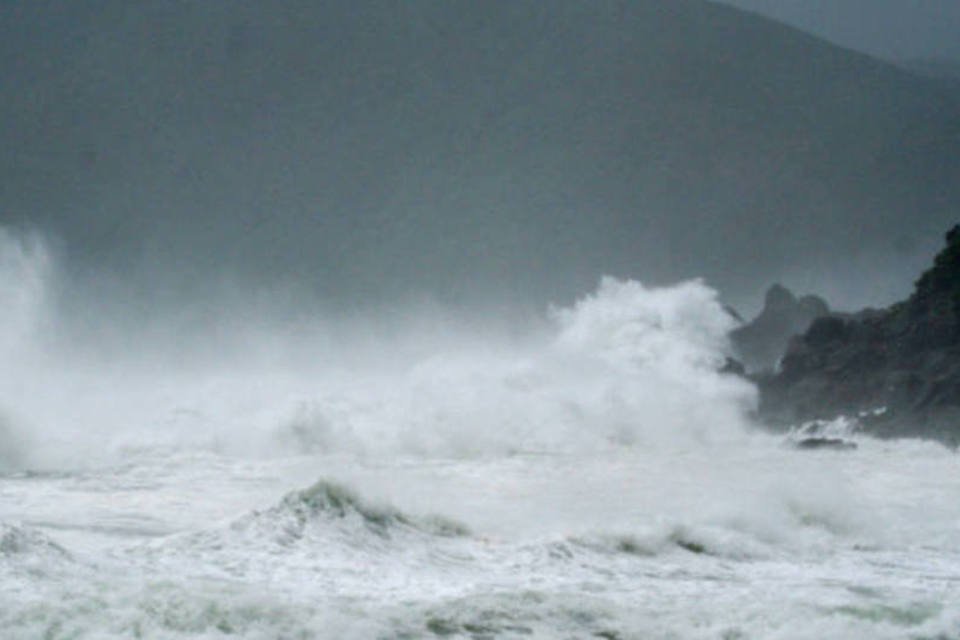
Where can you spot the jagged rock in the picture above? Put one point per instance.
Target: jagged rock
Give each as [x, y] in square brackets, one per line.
[733, 313]
[734, 367]
[835, 444]
[762, 342]
[826, 330]
[905, 358]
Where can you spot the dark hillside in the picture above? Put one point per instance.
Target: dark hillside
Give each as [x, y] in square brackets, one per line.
[518, 147]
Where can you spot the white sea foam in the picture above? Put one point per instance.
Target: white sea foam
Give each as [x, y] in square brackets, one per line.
[598, 478]
[626, 365]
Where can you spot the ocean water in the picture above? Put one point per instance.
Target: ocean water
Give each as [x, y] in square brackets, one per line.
[595, 477]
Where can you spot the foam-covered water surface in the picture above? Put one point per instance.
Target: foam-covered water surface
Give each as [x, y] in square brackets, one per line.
[599, 476]
[627, 543]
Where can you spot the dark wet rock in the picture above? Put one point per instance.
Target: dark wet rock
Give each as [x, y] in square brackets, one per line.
[761, 342]
[835, 444]
[827, 329]
[733, 366]
[905, 358]
[733, 313]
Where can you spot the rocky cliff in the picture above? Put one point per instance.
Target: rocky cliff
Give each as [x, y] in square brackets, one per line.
[761, 342]
[900, 366]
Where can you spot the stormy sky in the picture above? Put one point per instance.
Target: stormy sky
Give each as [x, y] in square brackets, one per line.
[461, 150]
[891, 29]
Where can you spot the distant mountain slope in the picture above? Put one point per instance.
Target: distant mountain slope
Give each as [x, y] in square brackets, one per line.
[946, 71]
[886, 29]
[521, 146]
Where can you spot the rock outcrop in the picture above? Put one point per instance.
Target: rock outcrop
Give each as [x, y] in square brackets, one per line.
[898, 368]
[761, 342]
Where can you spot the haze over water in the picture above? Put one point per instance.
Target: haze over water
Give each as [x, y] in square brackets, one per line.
[591, 473]
[408, 321]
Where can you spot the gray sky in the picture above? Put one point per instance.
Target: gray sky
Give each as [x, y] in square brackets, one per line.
[892, 29]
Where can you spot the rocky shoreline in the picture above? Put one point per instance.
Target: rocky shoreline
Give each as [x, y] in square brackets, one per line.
[897, 369]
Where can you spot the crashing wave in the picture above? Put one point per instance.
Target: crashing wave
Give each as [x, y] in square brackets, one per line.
[709, 541]
[625, 366]
[837, 435]
[329, 502]
[19, 541]
[325, 517]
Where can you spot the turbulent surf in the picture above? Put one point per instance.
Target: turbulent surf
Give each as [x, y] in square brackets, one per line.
[595, 474]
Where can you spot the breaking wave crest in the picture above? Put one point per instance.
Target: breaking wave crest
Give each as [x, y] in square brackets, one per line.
[624, 366]
[595, 469]
[326, 525]
[327, 504]
[19, 541]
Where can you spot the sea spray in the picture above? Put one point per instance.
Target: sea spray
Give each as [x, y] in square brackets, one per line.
[597, 478]
[625, 366]
[25, 269]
